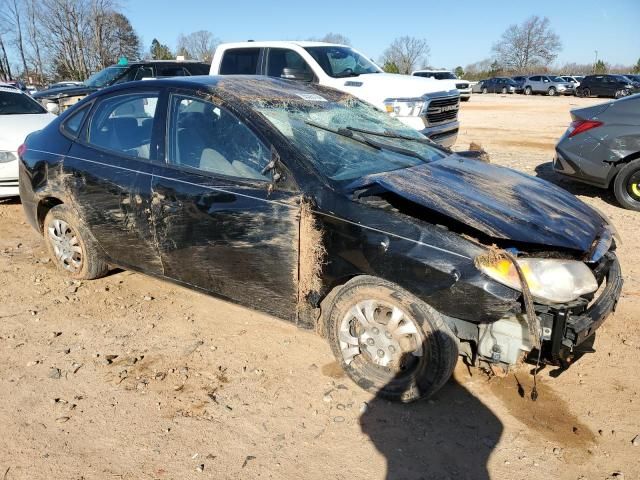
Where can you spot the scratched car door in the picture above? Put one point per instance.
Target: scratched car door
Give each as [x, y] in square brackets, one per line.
[109, 168]
[218, 225]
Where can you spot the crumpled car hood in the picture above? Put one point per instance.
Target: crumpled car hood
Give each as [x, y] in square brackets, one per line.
[497, 201]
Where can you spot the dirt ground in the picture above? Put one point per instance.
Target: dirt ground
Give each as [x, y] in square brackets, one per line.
[129, 377]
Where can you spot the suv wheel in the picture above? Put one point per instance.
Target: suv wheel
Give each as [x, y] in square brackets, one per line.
[626, 186]
[71, 246]
[528, 91]
[388, 341]
[485, 90]
[504, 90]
[621, 93]
[552, 91]
[586, 92]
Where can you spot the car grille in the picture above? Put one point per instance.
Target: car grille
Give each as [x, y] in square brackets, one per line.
[460, 86]
[442, 110]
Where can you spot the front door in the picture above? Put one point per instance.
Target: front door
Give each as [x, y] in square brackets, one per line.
[218, 226]
[109, 171]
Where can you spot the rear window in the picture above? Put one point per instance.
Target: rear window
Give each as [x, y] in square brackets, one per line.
[14, 102]
[171, 71]
[198, 68]
[240, 61]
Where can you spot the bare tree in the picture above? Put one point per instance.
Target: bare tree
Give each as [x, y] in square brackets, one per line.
[11, 14]
[407, 53]
[5, 67]
[530, 44]
[199, 45]
[338, 38]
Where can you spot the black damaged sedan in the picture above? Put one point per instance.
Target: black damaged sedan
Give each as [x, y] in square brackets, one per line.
[305, 203]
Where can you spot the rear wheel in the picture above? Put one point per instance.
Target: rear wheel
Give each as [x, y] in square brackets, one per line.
[388, 341]
[552, 91]
[528, 91]
[626, 186]
[71, 246]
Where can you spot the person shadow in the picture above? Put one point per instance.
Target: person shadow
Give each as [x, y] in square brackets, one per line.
[447, 437]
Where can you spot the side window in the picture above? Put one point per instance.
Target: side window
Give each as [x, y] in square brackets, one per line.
[209, 138]
[171, 71]
[285, 63]
[129, 76]
[144, 72]
[240, 61]
[535, 79]
[73, 124]
[123, 124]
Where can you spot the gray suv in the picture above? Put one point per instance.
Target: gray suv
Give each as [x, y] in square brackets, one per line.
[547, 84]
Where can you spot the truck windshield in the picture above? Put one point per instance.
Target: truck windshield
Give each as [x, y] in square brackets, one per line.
[340, 62]
[437, 75]
[348, 139]
[104, 77]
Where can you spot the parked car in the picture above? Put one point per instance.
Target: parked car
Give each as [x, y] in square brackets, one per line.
[65, 84]
[575, 81]
[633, 77]
[477, 86]
[58, 99]
[19, 116]
[613, 86]
[519, 82]
[499, 85]
[601, 147]
[425, 104]
[548, 84]
[311, 205]
[463, 86]
[16, 84]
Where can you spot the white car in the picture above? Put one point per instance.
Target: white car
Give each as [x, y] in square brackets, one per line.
[463, 86]
[19, 116]
[430, 106]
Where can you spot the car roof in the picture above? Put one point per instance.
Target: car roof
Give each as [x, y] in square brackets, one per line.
[279, 43]
[243, 87]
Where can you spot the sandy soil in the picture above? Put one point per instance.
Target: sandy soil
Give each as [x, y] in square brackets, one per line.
[130, 377]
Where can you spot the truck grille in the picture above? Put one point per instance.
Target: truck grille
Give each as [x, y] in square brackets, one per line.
[442, 110]
[460, 86]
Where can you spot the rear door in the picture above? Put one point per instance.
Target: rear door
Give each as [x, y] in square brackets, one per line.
[218, 226]
[109, 170]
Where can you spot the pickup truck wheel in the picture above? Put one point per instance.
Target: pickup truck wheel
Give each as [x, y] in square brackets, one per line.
[71, 246]
[528, 91]
[388, 341]
[626, 186]
[551, 92]
[485, 90]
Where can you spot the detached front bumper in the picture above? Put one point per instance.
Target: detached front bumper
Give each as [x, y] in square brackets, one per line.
[567, 327]
[445, 135]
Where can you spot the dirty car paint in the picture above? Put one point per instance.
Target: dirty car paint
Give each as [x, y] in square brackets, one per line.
[496, 201]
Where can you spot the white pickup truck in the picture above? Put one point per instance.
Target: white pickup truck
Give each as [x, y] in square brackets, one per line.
[428, 105]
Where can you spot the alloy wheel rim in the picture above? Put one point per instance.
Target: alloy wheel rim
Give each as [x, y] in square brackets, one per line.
[66, 245]
[380, 334]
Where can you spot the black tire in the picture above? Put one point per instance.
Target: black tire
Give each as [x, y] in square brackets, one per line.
[528, 91]
[552, 91]
[504, 90]
[620, 93]
[626, 186]
[485, 90]
[87, 262]
[465, 99]
[414, 376]
[586, 93]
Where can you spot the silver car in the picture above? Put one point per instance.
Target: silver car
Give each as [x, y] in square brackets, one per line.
[602, 147]
[548, 84]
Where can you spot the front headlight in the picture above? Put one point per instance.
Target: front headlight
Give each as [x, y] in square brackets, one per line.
[404, 108]
[6, 157]
[549, 279]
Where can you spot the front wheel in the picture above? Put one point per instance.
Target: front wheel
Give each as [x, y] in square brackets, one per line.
[388, 341]
[621, 93]
[504, 90]
[485, 90]
[71, 246]
[626, 186]
[551, 91]
[528, 91]
[586, 92]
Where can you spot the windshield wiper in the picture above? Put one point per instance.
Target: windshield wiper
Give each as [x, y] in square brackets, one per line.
[390, 134]
[400, 150]
[343, 132]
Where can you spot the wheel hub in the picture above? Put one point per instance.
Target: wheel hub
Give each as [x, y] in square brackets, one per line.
[383, 334]
[66, 246]
[634, 186]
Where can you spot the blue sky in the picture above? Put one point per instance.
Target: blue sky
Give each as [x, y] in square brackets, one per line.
[459, 32]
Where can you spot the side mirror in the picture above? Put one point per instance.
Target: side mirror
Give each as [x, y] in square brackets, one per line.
[296, 74]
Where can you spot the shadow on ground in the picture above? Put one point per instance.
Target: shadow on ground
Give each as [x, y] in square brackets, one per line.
[450, 436]
[545, 171]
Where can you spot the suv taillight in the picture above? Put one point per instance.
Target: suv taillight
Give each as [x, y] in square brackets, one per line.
[581, 126]
[22, 149]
